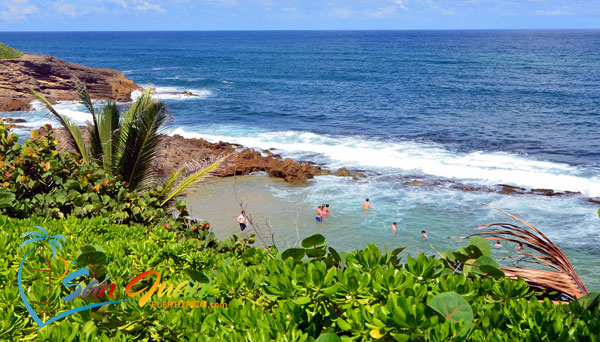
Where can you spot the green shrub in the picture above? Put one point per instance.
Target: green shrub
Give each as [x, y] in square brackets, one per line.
[35, 179]
[366, 295]
[6, 52]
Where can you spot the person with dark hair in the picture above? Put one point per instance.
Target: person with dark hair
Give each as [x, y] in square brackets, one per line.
[394, 228]
[424, 234]
[242, 220]
[366, 204]
[520, 247]
[326, 210]
[498, 244]
[323, 212]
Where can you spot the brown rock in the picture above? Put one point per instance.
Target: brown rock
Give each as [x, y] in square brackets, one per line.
[415, 183]
[595, 200]
[342, 172]
[510, 189]
[52, 77]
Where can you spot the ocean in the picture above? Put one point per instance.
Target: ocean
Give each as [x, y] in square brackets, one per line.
[478, 108]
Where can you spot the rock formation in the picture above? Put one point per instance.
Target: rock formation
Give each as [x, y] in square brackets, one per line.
[52, 77]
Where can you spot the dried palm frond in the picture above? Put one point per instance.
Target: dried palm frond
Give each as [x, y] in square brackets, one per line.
[562, 278]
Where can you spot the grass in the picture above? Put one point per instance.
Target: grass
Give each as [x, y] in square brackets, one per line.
[6, 52]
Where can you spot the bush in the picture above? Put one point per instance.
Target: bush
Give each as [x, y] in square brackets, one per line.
[6, 52]
[37, 180]
[367, 295]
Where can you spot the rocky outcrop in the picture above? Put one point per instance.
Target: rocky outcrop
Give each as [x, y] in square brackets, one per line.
[52, 77]
[176, 151]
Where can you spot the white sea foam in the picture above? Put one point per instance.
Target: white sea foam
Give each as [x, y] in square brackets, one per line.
[175, 93]
[486, 168]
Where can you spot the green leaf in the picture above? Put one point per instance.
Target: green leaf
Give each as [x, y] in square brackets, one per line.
[590, 301]
[482, 244]
[6, 199]
[453, 308]
[197, 276]
[296, 253]
[313, 241]
[329, 337]
[301, 300]
[96, 258]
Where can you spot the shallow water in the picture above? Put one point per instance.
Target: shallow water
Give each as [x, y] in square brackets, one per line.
[445, 214]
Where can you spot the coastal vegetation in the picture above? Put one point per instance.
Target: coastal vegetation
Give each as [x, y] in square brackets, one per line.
[309, 293]
[6, 52]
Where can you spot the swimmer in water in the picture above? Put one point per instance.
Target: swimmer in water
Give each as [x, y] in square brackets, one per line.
[366, 204]
[319, 213]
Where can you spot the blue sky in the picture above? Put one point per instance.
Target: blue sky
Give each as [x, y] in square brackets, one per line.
[114, 15]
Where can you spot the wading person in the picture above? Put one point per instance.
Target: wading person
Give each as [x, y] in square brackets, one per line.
[366, 204]
[319, 217]
[242, 220]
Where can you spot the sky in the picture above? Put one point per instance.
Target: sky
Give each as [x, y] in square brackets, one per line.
[160, 15]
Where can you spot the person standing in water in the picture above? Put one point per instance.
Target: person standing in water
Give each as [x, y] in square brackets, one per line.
[366, 204]
[242, 220]
[319, 214]
[394, 228]
[424, 234]
[325, 210]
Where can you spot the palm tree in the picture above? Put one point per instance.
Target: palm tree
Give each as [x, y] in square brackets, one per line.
[40, 239]
[125, 143]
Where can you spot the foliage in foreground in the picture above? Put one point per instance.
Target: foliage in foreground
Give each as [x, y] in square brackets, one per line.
[37, 180]
[6, 52]
[304, 294]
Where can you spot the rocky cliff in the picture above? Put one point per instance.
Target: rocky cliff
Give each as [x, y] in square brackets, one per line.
[52, 77]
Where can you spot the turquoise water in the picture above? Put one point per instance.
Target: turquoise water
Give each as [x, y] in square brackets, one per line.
[473, 107]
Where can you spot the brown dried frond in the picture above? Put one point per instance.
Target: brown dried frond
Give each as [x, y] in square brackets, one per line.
[563, 279]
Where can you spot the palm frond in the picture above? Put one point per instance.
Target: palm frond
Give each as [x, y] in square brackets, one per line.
[126, 119]
[171, 181]
[95, 147]
[191, 180]
[84, 95]
[108, 127]
[563, 278]
[74, 135]
[139, 145]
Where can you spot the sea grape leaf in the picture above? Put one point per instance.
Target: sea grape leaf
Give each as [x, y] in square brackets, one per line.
[453, 308]
[313, 241]
[296, 253]
[315, 252]
[97, 258]
[492, 271]
[482, 244]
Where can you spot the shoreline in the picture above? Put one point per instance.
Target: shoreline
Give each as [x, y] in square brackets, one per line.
[178, 151]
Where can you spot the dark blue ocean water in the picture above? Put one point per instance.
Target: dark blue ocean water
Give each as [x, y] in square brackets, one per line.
[532, 92]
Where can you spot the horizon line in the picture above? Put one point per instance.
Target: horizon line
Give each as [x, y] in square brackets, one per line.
[313, 30]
